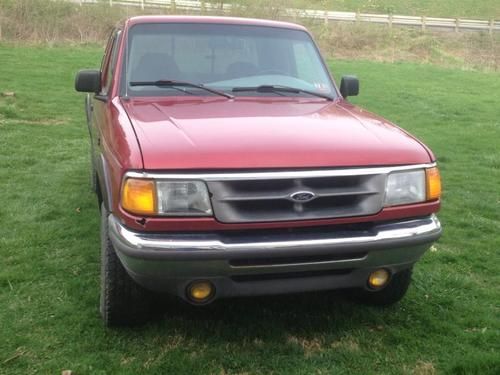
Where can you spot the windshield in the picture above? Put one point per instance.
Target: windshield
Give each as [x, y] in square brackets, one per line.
[223, 57]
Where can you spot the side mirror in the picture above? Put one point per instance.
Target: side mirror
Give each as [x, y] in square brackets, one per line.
[88, 81]
[349, 86]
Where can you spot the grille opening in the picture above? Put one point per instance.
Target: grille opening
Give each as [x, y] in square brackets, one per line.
[333, 182]
[321, 207]
[290, 275]
[263, 186]
[333, 203]
[257, 186]
[249, 262]
[263, 206]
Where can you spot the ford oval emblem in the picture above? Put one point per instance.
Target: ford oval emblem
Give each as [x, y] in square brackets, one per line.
[302, 196]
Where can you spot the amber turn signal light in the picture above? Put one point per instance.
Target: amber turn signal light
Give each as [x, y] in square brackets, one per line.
[433, 184]
[139, 197]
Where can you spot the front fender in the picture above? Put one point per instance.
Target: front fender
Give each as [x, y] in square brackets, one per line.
[104, 180]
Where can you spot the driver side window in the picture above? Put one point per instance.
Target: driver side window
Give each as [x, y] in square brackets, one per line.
[109, 63]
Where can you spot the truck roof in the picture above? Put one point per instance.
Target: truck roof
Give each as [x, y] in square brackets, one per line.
[216, 20]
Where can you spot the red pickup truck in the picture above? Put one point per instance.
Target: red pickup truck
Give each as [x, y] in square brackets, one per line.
[227, 162]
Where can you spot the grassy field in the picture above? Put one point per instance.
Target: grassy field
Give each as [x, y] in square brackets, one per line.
[486, 9]
[49, 247]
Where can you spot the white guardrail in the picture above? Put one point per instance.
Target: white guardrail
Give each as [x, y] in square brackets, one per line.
[423, 22]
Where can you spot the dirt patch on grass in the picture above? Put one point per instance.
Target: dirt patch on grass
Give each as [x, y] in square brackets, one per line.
[424, 368]
[346, 343]
[309, 346]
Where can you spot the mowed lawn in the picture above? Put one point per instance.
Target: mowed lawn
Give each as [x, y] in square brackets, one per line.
[49, 247]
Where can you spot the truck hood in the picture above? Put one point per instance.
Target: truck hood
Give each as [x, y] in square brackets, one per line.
[215, 133]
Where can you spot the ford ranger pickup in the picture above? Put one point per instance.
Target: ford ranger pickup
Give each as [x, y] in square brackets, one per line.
[227, 162]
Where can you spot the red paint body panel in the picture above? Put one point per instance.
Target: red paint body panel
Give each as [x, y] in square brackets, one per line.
[265, 133]
[118, 139]
[211, 224]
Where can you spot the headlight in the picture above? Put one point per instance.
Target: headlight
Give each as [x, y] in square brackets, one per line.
[166, 198]
[405, 187]
[412, 187]
[189, 198]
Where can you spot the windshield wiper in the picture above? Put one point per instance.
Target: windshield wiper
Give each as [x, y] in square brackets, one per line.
[280, 88]
[173, 83]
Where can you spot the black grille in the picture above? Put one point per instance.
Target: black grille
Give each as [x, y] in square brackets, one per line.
[272, 200]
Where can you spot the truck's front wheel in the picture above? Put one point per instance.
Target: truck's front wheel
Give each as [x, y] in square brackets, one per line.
[390, 294]
[123, 302]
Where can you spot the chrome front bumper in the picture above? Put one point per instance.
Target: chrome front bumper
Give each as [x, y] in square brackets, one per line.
[270, 262]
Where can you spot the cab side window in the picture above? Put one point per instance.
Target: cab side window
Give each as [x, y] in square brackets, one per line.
[109, 63]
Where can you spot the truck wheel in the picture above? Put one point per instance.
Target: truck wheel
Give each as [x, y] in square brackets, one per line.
[123, 302]
[390, 294]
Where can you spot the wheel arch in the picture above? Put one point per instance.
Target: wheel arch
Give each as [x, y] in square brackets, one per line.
[103, 186]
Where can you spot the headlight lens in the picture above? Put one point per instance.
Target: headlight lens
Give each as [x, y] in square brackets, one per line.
[166, 198]
[405, 188]
[183, 198]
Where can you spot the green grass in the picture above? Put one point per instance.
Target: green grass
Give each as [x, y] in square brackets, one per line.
[49, 247]
[484, 9]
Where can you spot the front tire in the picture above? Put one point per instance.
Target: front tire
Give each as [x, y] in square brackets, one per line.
[390, 294]
[123, 302]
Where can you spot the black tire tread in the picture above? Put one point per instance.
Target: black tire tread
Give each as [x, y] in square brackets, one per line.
[123, 302]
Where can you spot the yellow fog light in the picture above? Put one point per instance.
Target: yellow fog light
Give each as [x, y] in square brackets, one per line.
[200, 291]
[433, 183]
[378, 278]
[139, 196]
